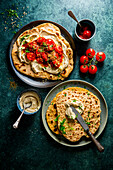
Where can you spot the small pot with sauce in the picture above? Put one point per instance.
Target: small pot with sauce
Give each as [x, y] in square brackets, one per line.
[87, 31]
[29, 96]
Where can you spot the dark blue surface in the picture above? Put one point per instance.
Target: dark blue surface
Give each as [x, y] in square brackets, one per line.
[29, 146]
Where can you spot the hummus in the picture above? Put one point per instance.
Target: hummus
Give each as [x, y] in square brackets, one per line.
[78, 105]
[32, 97]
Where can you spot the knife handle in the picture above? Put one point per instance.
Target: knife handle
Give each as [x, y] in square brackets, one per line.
[99, 146]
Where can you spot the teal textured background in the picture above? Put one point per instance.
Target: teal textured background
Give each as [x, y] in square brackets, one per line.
[30, 147]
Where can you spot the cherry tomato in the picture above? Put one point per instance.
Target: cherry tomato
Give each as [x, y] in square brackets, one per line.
[87, 34]
[84, 68]
[50, 44]
[84, 59]
[44, 56]
[59, 50]
[31, 56]
[81, 36]
[100, 56]
[90, 53]
[55, 63]
[40, 40]
[92, 69]
[40, 60]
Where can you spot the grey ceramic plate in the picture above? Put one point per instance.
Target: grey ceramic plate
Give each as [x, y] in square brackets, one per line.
[62, 86]
[38, 82]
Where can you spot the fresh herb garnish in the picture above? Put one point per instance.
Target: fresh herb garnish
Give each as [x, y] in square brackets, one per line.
[22, 38]
[74, 100]
[80, 107]
[65, 94]
[44, 44]
[40, 50]
[12, 13]
[59, 75]
[57, 118]
[51, 45]
[88, 123]
[27, 51]
[76, 115]
[62, 128]
[88, 93]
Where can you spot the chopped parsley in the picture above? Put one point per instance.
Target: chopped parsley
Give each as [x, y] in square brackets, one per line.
[59, 75]
[44, 44]
[27, 51]
[12, 13]
[65, 94]
[40, 50]
[88, 94]
[88, 123]
[51, 45]
[76, 115]
[45, 67]
[74, 100]
[80, 107]
[57, 118]
[22, 38]
[62, 128]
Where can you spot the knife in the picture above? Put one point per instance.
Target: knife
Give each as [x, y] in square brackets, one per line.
[86, 128]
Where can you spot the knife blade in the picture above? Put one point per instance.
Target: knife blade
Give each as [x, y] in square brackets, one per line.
[86, 128]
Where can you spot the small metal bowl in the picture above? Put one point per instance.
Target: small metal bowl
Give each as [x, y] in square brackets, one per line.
[90, 25]
[18, 98]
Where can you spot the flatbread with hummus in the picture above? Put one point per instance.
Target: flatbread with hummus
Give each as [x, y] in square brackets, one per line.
[87, 104]
[42, 52]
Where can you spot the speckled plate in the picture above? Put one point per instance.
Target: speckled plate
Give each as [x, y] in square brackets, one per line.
[29, 80]
[62, 86]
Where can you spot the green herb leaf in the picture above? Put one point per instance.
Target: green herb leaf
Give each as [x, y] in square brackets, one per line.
[44, 44]
[74, 100]
[57, 118]
[65, 94]
[27, 51]
[88, 123]
[76, 115]
[51, 45]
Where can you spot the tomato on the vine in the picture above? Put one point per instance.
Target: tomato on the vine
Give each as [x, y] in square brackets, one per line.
[90, 53]
[92, 69]
[84, 68]
[84, 59]
[100, 56]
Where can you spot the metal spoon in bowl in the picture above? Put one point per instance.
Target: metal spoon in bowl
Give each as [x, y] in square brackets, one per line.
[70, 13]
[25, 106]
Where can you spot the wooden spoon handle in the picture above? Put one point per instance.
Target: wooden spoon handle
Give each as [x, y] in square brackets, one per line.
[99, 146]
[70, 13]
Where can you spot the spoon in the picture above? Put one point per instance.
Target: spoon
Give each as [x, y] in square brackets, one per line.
[70, 13]
[26, 105]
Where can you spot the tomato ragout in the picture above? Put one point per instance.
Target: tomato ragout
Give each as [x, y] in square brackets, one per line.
[44, 51]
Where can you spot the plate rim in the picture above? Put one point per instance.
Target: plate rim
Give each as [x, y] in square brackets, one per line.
[49, 132]
[25, 78]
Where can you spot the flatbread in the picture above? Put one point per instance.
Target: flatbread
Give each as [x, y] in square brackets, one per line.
[26, 68]
[71, 129]
[51, 117]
